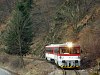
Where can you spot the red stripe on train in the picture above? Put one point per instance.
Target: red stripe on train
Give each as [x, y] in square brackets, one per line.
[68, 54]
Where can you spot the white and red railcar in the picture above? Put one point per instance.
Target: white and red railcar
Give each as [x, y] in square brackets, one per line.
[64, 55]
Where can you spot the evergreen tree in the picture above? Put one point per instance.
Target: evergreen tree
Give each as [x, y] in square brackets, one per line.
[18, 38]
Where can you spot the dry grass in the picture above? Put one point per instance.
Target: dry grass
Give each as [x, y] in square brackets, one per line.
[94, 73]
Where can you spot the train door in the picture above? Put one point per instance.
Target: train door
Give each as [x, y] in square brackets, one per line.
[49, 54]
[56, 51]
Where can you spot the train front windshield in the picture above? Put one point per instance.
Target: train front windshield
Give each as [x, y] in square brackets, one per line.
[66, 50]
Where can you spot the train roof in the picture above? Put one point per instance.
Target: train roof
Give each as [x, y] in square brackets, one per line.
[62, 45]
[55, 45]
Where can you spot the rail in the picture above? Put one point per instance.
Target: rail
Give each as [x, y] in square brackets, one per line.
[77, 73]
[65, 72]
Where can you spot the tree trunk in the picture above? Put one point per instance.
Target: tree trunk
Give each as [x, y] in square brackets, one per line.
[21, 56]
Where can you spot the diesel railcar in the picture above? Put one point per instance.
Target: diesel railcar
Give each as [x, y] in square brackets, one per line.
[65, 55]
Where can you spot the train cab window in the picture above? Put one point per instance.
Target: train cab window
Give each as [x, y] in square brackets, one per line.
[64, 50]
[49, 50]
[76, 50]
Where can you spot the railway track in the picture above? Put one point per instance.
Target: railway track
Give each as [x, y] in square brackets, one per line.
[77, 73]
[64, 72]
[70, 72]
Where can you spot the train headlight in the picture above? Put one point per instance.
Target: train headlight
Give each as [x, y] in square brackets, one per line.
[63, 61]
[78, 57]
[61, 57]
[69, 44]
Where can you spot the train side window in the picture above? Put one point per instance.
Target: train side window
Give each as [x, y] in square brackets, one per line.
[48, 50]
[56, 50]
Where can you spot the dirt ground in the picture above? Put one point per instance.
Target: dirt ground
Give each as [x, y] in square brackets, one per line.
[33, 65]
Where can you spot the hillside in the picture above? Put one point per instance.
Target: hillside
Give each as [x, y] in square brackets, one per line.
[53, 23]
[62, 32]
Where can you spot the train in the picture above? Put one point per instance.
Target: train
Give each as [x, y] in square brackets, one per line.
[65, 55]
